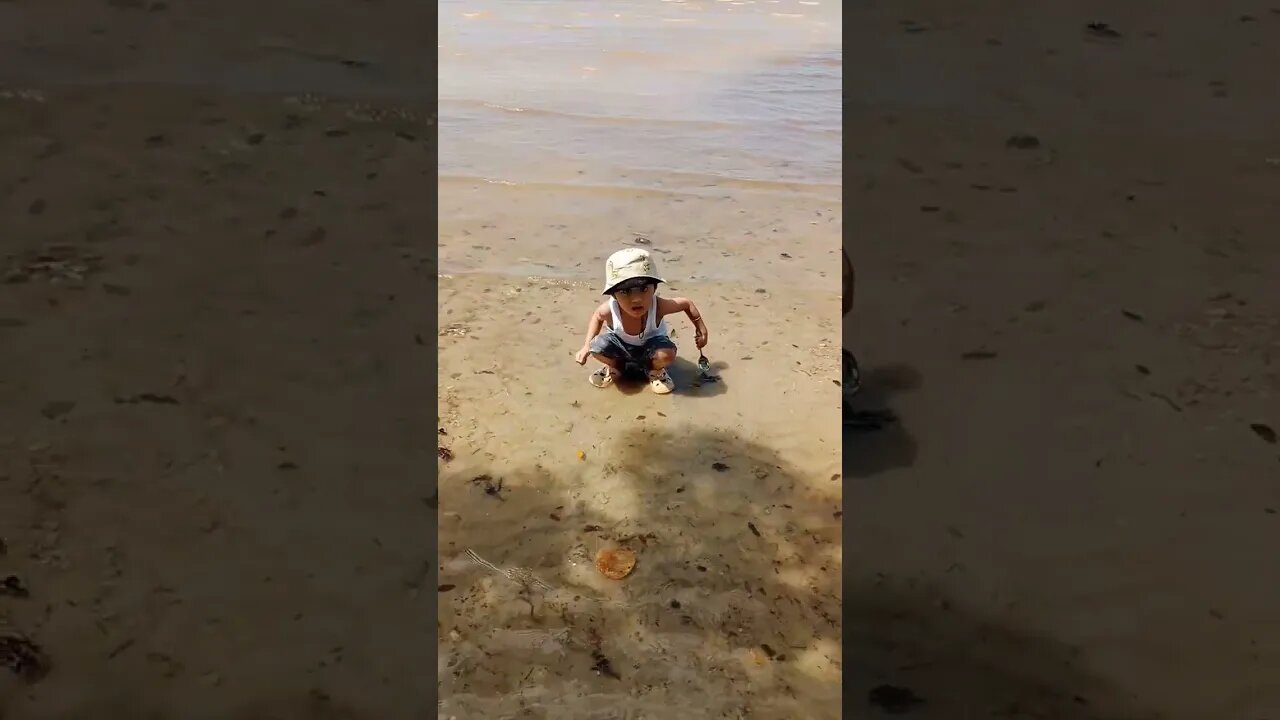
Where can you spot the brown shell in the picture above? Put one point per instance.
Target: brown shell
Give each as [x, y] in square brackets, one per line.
[615, 564]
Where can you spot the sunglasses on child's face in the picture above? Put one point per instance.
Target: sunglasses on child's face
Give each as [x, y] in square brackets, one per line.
[632, 288]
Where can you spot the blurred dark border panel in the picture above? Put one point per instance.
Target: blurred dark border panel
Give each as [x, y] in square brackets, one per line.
[1061, 218]
[217, 359]
[428, 320]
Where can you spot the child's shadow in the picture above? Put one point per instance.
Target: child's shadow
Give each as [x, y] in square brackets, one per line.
[689, 380]
[875, 438]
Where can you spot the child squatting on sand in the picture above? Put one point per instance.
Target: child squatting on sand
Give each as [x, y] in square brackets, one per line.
[636, 339]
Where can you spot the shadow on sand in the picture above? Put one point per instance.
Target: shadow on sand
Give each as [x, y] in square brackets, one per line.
[910, 650]
[733, 610]
[688, 379]
[876, 438]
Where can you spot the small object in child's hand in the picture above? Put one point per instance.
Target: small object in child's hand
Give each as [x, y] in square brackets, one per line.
[704, 368]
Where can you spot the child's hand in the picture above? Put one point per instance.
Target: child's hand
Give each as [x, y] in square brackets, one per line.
[700, 337]
[583, 354]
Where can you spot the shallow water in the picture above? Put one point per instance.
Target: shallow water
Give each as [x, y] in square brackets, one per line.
[641, 94]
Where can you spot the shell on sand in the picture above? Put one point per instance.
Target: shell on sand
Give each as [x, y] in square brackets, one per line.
[615, 564]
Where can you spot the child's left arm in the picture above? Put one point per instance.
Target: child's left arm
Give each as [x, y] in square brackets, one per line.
[671, 306]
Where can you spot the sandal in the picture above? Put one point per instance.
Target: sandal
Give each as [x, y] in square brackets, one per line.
[851, 376]
[601, 378]
[661, 382]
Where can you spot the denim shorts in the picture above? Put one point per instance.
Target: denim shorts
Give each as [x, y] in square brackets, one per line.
[631, 359]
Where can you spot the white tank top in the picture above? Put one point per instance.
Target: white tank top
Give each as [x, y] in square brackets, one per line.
[650, 331]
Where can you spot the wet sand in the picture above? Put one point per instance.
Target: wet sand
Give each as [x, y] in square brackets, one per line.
[777, 240]
[1072, 517]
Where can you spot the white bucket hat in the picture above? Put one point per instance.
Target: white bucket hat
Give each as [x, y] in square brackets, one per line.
[628, 264]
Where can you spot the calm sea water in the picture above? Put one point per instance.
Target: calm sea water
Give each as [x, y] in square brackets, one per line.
[641, 93]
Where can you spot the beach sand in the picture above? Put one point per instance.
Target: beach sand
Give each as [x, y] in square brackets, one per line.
[618, 130]
[728, 491]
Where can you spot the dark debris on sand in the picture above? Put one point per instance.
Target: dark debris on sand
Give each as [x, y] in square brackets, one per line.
[1266, 432]
[893, 699]
[1102, 30]
[146, 397]
[23, 658]
[13, 586]
[491, 488]
[1022, 141]
[600, 664]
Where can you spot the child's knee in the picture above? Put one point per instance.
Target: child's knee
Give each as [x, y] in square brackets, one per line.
[663, 357]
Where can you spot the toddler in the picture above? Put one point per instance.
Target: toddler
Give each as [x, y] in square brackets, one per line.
[635, 338]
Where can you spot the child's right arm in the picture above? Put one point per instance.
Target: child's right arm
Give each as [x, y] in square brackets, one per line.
[594, 325]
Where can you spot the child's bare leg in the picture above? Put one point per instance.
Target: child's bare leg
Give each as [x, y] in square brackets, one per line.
[607, 361]
[663, 359]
